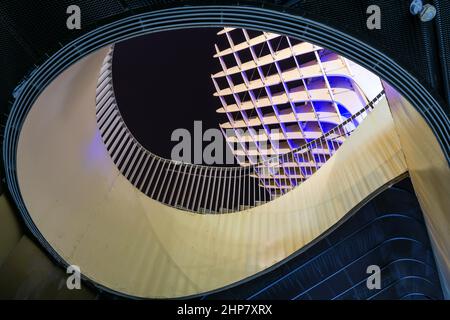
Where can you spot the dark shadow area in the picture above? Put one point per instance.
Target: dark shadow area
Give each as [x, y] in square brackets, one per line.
[162, 82]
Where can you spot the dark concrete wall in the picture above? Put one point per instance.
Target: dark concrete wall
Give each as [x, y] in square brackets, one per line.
[26, 272]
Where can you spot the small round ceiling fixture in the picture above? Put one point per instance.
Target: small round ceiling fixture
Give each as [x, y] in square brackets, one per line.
[415, 7]
[428, 13]
[425, 12]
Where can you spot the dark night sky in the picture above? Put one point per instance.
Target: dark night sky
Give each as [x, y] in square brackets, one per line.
[162, 82]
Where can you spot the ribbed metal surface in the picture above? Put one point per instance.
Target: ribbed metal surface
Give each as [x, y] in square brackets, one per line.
[388, 232]
[443, 35]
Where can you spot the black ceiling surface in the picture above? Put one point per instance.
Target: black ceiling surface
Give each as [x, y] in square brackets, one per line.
[162, 82]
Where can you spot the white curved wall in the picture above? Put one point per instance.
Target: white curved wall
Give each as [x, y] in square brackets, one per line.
[122, 239]
[430, 175]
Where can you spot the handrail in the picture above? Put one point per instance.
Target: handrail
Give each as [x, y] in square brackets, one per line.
[211, 189]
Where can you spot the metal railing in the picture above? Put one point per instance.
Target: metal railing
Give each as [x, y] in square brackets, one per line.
[211, 189]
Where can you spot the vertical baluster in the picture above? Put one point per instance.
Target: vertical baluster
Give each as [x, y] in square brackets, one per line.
[199, 179]
[181, 188]
[174, 187]
[254, 186]
[249, 186]
[258, 186]
[217, 194]
[243, 189]
[239, 188]
[234, 188]
[153, 169]
[193, 178]
[204, 177]
[163, 168]
[167, 185]
[208, 188]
